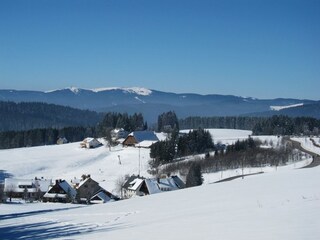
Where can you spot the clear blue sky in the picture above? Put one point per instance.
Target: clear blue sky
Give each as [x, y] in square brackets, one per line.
[263, 49]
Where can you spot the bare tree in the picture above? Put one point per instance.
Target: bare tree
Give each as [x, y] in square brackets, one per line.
[119, 184]
[9, 191]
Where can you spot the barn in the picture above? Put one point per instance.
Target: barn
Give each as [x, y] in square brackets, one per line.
[145, 138]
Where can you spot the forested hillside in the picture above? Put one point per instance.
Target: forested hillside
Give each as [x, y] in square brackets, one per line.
[49, 136]
[26, 116]
[275, 125]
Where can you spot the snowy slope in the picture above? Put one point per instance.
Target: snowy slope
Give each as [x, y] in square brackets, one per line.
[278, 108]
[279, 205]
[69, 161]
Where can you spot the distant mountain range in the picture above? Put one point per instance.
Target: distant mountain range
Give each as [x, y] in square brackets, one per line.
[151, 103]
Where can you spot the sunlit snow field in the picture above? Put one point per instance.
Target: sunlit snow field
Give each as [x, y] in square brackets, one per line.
[282, 203]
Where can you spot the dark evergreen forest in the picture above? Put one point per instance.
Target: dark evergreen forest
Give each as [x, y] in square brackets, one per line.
[275, 125]
[27, 116]
[241, 154]
[49, 136]
[35, 124]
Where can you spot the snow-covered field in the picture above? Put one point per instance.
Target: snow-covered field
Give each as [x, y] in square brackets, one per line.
[69, 161]
[278, 205]
[226, 136]
[282, 203]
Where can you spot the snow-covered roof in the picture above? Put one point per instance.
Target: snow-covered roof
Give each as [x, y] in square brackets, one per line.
[152, 186]
[144, 135]
[162, 136]
[102, 196]
[116, 130]
[66, 188]
[167, 183]
[85, 180]
[17, 185]
[146, 143]
[136, 183]
[89, 139]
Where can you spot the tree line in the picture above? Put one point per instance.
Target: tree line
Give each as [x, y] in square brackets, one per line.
[44, 136]
[194, 142]
[167, 122]
[241, 154]
[275, 125]
[49, 136]
[33, 115]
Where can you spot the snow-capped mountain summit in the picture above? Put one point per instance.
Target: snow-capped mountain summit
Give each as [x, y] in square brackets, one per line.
[136, 90]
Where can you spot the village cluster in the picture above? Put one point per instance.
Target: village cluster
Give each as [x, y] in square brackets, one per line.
[85, 189]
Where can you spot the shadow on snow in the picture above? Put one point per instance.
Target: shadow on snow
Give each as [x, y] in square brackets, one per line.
[50, 230]
[26, 214]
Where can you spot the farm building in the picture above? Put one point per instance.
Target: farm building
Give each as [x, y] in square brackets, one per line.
[26, 188]
[140, 187]
[89, 191]
[60, 192]
[90, 143]
[142, 138]
[62, 140]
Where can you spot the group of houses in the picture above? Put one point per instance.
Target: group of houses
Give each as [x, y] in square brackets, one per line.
[136, 139]
[87, 190]
[84, 191]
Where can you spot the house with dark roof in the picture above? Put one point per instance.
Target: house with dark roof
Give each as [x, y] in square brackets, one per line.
[141, 187]
[140, 139]
[89, 191]
[26, 188]
[126, 189]
[61, 191]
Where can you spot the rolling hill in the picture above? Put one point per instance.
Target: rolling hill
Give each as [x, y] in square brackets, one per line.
[151, 103]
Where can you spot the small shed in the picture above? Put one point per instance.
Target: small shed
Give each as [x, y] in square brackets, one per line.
[90, 143]
[62, 140]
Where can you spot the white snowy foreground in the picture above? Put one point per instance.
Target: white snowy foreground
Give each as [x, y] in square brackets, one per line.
[277, 205]
[282, 203]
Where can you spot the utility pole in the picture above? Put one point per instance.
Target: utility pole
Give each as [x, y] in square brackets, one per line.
[139, 160]
[242, 166]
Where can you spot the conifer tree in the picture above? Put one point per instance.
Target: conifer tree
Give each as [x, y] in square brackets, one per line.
[194, 176]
